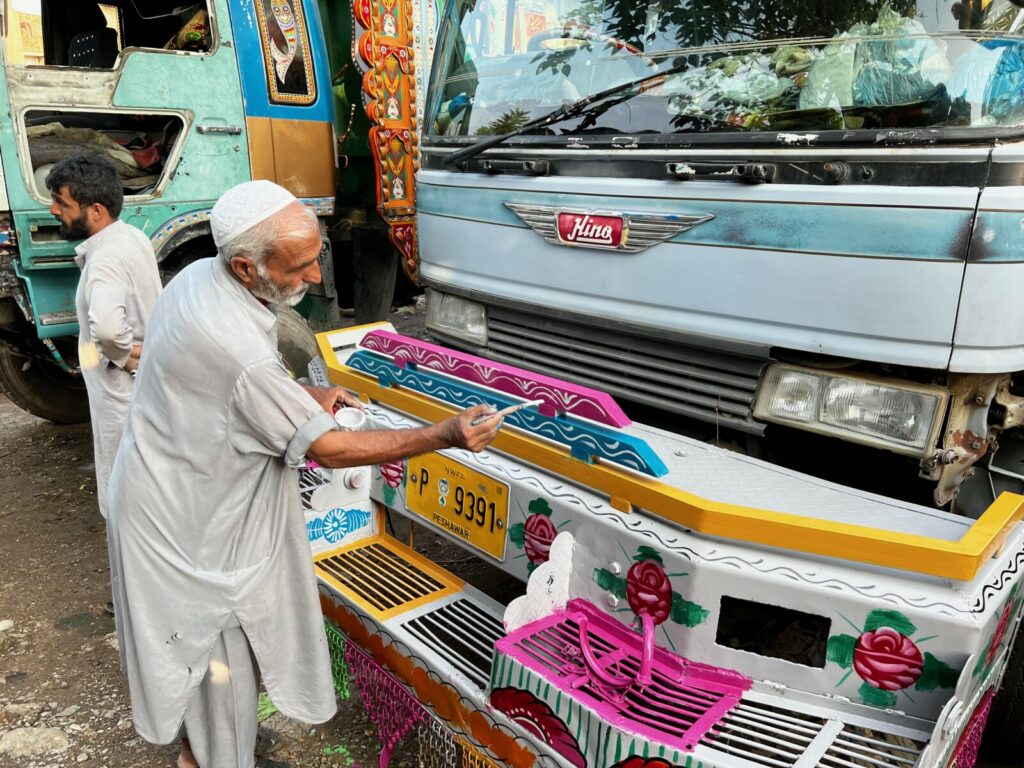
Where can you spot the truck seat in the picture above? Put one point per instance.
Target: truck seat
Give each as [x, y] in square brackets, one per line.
[96, 49]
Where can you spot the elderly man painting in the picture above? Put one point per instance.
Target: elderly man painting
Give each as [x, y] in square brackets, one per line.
[213, 580]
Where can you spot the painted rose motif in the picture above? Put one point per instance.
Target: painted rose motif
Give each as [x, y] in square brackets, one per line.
[392, 473]
[529, 712]
[1001, 627]
[648, 590]
[535, 535]
[644, 762]
[1006, 617]
[540, 533]
[888, 660]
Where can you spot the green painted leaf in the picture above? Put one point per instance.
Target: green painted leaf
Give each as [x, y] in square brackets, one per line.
[531, 567]
[936, 674]
[893, 619]
[517, 533]
[876, 697]
[389, 495]
[686, 613]
[840, 650]
[609, 582]
[647, 553]
[539, 507]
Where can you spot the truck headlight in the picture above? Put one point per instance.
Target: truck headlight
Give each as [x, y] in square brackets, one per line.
[455, 316]
[898, 416]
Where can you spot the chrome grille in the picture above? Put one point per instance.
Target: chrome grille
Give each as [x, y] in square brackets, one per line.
[379, 576]
[711, 386]
[779, 737]
[463, 634]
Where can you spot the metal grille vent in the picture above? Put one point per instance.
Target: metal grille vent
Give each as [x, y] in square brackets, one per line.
[379, 576]
[310, 481]
[676, 711]
[777, 737]
[711, 386]
[463, 634]
[863, 748]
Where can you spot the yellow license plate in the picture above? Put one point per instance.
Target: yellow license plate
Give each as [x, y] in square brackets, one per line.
[465, 503]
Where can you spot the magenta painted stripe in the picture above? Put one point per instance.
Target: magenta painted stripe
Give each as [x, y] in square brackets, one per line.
[669, 670]
[558, 396]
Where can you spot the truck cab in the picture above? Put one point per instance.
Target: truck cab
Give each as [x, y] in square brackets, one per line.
[186, 100]
[791, 228]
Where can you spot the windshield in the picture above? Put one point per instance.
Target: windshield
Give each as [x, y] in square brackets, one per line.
[739, 65]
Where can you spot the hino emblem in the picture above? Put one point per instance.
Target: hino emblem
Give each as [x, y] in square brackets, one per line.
[629, 232]
[587, 229]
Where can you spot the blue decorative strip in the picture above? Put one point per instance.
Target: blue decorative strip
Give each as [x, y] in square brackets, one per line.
[584, 439]
[337, 524]
[884, 231]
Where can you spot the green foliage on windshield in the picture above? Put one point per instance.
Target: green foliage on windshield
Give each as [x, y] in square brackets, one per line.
[744, 65]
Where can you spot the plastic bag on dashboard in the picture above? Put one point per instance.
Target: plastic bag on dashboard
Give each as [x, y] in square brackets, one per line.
[829, 82]
[1004, 97]
[901, 64]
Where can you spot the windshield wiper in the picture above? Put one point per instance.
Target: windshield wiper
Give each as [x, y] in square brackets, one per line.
[564, 112]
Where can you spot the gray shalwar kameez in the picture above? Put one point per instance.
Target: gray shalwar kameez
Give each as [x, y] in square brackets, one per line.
[206, 529]
[116, 293]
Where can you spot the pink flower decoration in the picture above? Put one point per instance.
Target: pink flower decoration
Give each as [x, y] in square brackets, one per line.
[392, 473]
[887, 660]
[540, 533]
[649, 590]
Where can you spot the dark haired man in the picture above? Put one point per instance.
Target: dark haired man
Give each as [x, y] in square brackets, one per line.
[116, 292]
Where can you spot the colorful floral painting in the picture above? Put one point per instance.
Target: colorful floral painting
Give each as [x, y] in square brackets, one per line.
[533, 715]
[648, 589]
[393, 474]
[887, 657]
[1010, 609]
[536, 534]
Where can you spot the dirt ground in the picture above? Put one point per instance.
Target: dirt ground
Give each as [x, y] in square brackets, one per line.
[60, 679]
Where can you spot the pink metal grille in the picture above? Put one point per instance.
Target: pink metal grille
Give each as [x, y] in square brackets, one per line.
[390, 706]
[683, 700]
[966, 753]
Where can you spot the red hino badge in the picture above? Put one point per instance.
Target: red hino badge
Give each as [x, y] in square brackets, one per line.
[591, 229]
[630, 232]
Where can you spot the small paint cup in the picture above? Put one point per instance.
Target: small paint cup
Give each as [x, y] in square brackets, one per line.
[350, 419]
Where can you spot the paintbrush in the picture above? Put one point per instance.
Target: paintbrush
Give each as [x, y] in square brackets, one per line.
[506, 411]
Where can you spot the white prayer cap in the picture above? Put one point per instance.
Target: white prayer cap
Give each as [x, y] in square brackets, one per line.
[244, 206]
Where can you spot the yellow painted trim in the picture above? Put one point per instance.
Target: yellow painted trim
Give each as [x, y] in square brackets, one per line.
[958, 560]
[451, 583]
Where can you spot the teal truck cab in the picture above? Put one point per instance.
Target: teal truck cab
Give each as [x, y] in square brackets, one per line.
[798, 224]
[187, 99]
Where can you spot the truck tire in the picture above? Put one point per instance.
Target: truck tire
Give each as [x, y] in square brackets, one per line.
[41, 389]
[295, 341]
[1004, 733]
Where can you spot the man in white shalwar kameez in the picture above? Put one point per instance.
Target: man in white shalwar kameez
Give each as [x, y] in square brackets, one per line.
[118, 288]
[213, 577]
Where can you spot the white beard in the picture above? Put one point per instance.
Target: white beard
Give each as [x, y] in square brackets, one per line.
[266, 290]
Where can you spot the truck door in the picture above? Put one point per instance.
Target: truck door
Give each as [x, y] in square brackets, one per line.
[154, 87]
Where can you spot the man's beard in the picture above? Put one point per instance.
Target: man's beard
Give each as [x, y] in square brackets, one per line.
[76, 230]
[267, 291]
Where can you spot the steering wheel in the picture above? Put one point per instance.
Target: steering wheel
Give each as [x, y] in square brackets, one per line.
[577, 36]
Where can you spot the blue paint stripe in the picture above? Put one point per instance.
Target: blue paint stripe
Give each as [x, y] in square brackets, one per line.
[998, 237]
[584, 439]
[880, 232]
